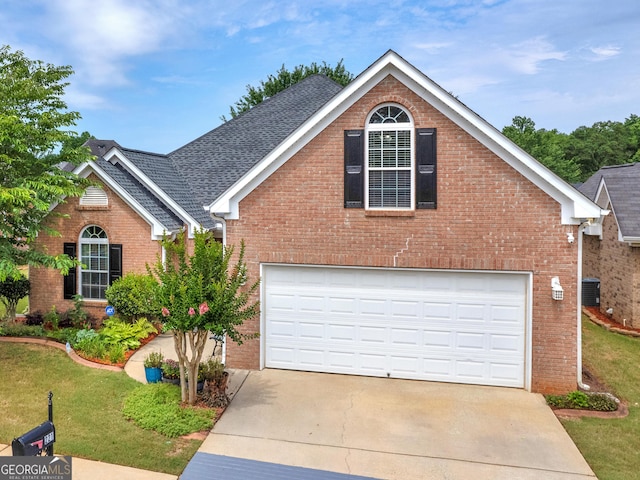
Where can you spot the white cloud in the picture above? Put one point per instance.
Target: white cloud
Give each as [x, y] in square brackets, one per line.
[526, 57]
[103, 34]
[605, 52]
[433, 47]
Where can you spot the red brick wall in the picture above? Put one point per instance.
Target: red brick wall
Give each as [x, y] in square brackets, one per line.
[616, 264]
[122, 225]
[489, 217]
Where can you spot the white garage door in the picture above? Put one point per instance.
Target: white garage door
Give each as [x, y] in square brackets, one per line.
[463, 327]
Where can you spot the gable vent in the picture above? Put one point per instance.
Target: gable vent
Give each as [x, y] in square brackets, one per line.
[95, 197]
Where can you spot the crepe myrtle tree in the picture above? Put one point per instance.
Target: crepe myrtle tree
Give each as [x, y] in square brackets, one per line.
[203, 292]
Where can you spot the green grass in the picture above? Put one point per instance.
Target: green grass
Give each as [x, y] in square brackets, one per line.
[157, 407]
[611, 446]
[87, 413]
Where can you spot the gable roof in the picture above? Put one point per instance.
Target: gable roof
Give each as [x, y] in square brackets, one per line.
[615, 187]
[148, 183]
[214, 162]
[575, 207]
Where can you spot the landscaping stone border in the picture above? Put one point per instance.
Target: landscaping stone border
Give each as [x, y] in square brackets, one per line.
[621, 412]
[52, 343]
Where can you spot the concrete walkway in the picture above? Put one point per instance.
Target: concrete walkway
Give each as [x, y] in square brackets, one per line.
[164, 344]
[393, 429]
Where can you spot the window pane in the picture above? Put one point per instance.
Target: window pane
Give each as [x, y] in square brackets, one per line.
[375, 139]
[388, 139]
[375, 158]
[389, 158]
[404, 158]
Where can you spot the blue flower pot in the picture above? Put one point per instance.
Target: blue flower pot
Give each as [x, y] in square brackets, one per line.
[153, 374]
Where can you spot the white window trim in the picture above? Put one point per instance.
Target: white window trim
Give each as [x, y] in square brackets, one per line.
[91, 241]
[397, 127]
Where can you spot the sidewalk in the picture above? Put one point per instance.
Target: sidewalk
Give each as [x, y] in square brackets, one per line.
[82, 469]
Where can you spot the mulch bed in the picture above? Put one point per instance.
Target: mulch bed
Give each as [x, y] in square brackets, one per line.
[602, 319]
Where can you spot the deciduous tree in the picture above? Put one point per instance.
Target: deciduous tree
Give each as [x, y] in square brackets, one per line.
[34, 123]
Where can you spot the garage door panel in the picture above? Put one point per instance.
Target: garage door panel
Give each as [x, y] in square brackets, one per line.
[446, 326]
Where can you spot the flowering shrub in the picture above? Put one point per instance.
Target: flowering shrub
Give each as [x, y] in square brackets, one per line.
[170, 369]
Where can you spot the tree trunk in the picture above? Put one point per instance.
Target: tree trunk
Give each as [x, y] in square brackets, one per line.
[195, 341]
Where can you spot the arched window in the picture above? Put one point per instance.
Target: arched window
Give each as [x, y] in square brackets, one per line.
[94, 256]
[390, 165]
[389, 148]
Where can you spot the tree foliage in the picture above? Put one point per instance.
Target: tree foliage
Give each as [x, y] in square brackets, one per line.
[578, 155]
[12, 290]
[33, 126]
[200, 293]
[283, 79]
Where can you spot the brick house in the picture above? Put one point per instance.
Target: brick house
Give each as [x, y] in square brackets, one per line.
[612, 253]
[396, 233]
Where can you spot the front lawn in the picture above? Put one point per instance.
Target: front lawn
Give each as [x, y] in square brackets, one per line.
[87, 406]
[611, 447]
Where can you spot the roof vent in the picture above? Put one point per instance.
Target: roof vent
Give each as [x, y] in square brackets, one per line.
[94, 197]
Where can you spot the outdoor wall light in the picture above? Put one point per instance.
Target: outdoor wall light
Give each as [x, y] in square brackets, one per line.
[556, 289]
[570, 237]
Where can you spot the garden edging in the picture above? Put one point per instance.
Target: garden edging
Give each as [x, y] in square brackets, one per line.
[52, 343]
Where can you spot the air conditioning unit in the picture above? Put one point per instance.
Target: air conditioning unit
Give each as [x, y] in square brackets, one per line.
[591, 292]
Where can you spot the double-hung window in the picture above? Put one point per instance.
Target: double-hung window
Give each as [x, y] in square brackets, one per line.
[101, 264]
[389, 176]
[390, 165]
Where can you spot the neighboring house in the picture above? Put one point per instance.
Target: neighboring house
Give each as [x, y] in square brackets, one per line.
[395, 232]
[612, 255]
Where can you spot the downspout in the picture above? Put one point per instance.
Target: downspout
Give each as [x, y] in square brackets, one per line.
[220, 223]
[581, 228]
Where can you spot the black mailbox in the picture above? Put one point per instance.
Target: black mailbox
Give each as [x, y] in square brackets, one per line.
[35, 441]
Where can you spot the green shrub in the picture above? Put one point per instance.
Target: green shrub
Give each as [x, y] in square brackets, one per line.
[602, 402]
[117, 332]
[21, 330]
[115, 353]
[77, 315]
[92, 347]
[156, 406]
[84, 334]
[134, 296]
[11, 292]
[52, 318]
[579, 399]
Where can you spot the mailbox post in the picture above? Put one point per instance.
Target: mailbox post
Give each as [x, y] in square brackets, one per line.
[37, 439]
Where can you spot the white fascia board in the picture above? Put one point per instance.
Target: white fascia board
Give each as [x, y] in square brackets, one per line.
[157, 228]
[115, 155]
[575, 207]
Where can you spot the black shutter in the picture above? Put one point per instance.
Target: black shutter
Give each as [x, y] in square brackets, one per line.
[354, 169]
[426, 168]
[69, 280]
[115, 262]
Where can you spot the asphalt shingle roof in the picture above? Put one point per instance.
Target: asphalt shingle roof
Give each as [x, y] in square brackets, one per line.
[163, 173]
[141, 194]
[622, 183]
[215, 161]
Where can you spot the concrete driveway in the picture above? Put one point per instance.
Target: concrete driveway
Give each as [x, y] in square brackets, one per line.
[391, 429]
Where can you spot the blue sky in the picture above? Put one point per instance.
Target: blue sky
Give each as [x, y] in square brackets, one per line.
[155, 74]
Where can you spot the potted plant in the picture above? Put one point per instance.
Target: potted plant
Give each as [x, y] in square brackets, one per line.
[215, 388]
[170, 371]
[153, 367]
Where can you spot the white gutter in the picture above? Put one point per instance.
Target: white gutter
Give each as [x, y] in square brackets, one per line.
[581, 228]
